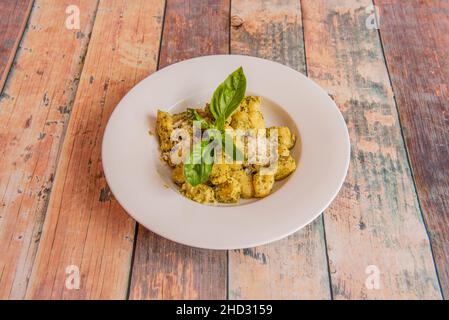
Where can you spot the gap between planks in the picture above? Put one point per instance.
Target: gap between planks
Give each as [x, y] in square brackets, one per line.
[12, 34]
[163, 269]
[375, 220]
[84, 225]
[34, 112]
[417, 62]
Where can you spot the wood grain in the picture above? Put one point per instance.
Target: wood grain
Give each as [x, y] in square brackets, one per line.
[163, 269]
[295, 267]
[13, 18]
[85, 226]
[415, 38]
[34, 110]
[376, 219]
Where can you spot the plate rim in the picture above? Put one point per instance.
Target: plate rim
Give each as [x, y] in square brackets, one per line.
[253, 243]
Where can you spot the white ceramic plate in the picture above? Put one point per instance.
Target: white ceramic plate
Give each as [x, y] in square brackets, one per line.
[142, 184]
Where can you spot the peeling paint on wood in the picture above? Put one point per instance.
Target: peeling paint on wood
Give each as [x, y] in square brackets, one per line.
[29, 149]
[163, 269]
[375, 221]
[269, 29]
[13, 18]
[295, 267]
[416, 43]
[167, 270]
[81, 227]
[378, 193]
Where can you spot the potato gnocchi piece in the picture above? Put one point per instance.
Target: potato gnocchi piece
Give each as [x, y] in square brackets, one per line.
[285, 166]
[286, 137]
[164, 128]
[201, 193]
[263, 183]
[240, 120]
[248, 115]
[286, 140]
[246, 183]
[219, 174]
[178, 174]
[235, 166]
[255, 115]
[229, 191]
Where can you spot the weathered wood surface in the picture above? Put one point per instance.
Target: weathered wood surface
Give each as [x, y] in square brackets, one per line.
[84, 225]
[295, 267]
[163, 269]
[375, 220]
[415, 37]
[34, 111]
[13, 18]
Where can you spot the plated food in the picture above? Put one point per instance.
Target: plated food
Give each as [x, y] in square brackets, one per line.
[143, 184]
[256, 156]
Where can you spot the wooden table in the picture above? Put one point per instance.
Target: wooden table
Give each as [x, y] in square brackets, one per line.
[385, 236]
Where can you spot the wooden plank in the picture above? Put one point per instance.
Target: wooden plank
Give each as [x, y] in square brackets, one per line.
[375, 221]
[295, 267]
[85, 226]
[13, 18]
[163, 269]
[34, 110]
[416, 43]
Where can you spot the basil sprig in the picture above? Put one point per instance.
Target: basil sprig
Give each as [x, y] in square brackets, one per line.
[227, 97]
[225, 100]
[194, 115]
[199, 165]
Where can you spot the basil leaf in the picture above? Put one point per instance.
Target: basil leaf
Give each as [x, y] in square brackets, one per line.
[224, 102]
[227, 97]
[199, 165]
[194, 115]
